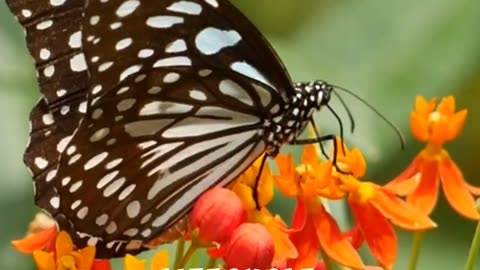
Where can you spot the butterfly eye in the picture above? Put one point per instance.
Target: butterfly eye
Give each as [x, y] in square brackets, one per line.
[145, 106]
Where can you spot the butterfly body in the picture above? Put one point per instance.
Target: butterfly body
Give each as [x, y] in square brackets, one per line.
[146, 105]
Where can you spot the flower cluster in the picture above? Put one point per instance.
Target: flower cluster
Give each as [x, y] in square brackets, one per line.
[235, 225]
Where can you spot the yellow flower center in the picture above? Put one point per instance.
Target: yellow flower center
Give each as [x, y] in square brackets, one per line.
[303, 168]
[434, 117]
[365, 192]
[67, 262]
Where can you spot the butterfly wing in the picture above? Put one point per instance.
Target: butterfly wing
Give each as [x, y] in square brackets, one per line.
[178, 96]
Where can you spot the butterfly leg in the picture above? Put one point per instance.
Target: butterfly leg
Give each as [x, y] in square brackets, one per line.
[257, 180]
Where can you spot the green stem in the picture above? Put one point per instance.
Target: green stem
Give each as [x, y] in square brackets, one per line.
[180, 251]
[473, 253]
[211, 263]
[329, 265]
[415, 253]
[188, 255]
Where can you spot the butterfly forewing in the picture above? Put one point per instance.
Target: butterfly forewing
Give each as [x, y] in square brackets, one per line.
[125, 37]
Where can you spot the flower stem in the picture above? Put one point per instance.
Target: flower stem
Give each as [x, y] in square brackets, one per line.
[188, 255]
[180, 251]
[473, 253]
[415, 253]
[211, 263]
[327, 261]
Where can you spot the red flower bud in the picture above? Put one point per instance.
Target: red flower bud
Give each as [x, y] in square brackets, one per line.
[251, 246]
[216, 214]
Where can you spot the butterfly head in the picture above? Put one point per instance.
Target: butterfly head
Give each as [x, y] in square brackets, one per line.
[318, 92]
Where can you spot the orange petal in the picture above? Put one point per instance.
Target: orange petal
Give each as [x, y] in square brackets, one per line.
[37, 241]
[332, 241]
[358, 165]
[132, 263]
[63, 245]
[244, 193]
[355, 236]
[286, 182]
[299, 216]
[474, 190]
[424, 107]
[439, 131]
[456, 191]
[309, 154]
[285, 165]
[284, 248]
[101, 265]
[287, 186]
[44, 260]
[446, 106]
[406, 183]
[378, 233]
[456, 124]
[419, 126]
[424, 198]
[306, 242]
[159, 261]
[400, 213]
[87, 256]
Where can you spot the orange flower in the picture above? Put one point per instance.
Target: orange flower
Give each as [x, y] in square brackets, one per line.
[309, 179]
[159, 262]
[43, 240]
[243, 187]
[433, 166]
[41, 235]
[314, 229]
[65, 257]
[373, 207]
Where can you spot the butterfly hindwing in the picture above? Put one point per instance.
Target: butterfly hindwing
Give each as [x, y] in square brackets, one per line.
[147, 149]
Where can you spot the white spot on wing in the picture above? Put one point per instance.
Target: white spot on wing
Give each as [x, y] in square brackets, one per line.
[178, 45]
[78, 62]
[250, 71]
[212, 40]
[95, 160]
[127, 8]
[146, 127]
[133, 209]
[163, 21]
[173, 61]
[41, 163]
[232, 89]
[186, 7]
[164, 107]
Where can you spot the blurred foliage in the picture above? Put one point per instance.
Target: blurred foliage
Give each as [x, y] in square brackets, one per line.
[385, 51]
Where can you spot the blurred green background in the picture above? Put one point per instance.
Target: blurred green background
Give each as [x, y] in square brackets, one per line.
[386, 51]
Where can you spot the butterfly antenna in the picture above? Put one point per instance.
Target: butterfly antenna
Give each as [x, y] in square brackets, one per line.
[339, 120]
[349, 113]
[377, 112]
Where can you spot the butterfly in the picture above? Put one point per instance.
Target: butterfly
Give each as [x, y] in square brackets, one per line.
[145, 106]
